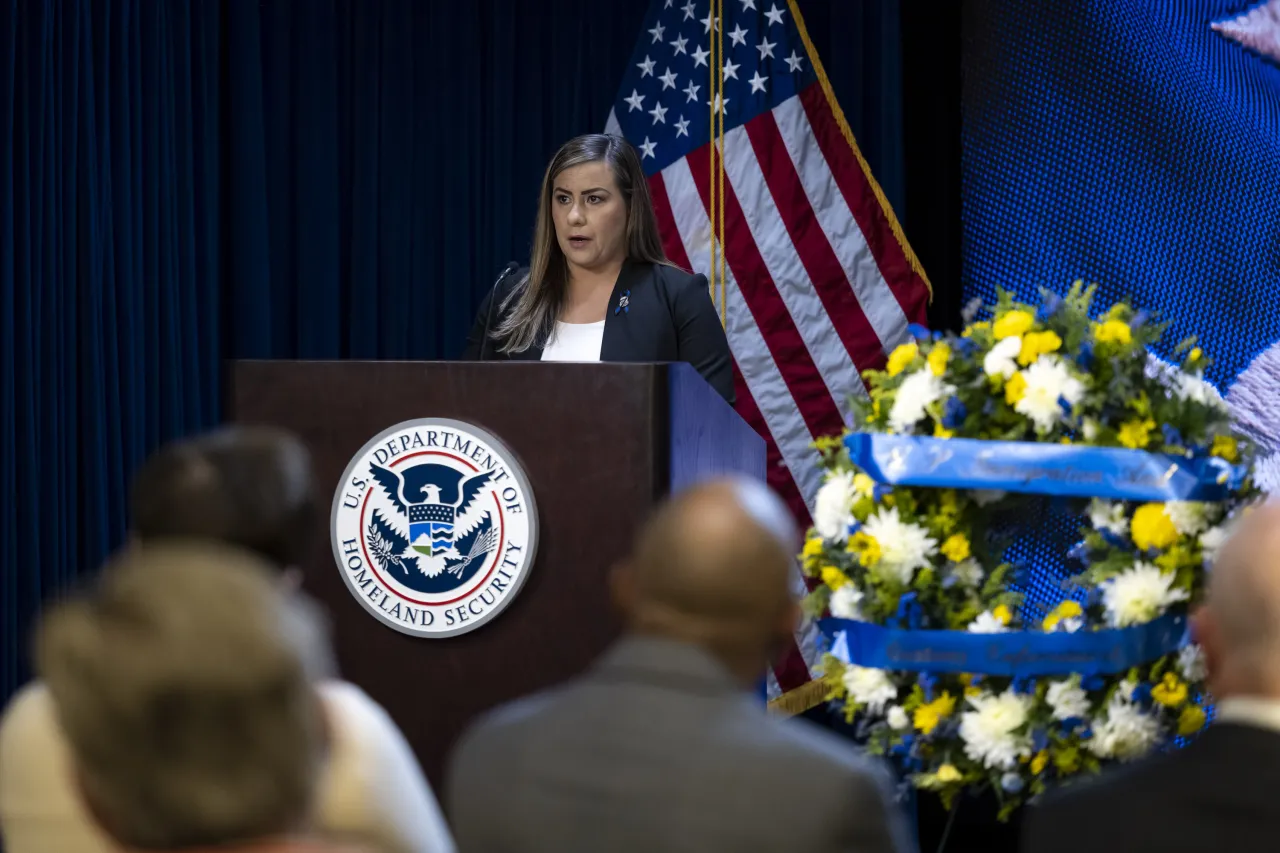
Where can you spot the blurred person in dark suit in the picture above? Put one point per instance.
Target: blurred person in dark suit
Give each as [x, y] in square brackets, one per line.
[1218, 793]
[660, 746]
[253, 488]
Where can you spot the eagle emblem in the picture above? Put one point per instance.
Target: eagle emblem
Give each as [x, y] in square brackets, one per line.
[422, 530]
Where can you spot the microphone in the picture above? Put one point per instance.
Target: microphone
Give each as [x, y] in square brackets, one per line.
[511, 267]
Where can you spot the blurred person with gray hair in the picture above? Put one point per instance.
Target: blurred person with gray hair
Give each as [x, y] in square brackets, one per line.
[184, 684]
[1218, 792]
[253, 488]
[661, 746]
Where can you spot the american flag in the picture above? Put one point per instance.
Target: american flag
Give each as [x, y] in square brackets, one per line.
[818, 282]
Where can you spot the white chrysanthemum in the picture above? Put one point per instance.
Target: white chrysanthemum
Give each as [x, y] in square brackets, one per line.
[990, 731]
[1210, 541]
[1191, 663]
[846, 602]
[833, 505]
[1124, 732]
[968, 573]
[1048, 381]
[987, 623]
[898, 718]
[1189, 517]
[915, 394]
[1090, 429]
[904, 547]
[1108, 516]
[1000, 361]
[870, 688]
[1193, 388]
[1068, 700]
[1138, 595]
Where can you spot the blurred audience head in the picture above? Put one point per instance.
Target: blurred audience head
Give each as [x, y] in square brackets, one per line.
[713, 567]
[246, 486]
[183, 683]
[1239, 624]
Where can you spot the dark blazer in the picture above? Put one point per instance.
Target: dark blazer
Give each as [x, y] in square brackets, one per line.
[656, 748]
[1222, 792]
[669, 316]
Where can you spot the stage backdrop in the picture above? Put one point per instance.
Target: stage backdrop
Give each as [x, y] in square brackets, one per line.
[185, 182]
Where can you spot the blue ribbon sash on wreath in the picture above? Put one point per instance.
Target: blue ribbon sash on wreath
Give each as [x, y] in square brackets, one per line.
[1046, 469]
[1032, 468]
[1017, 654]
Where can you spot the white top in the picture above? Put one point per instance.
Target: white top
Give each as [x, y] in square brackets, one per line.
[575, 342]
[372, 790]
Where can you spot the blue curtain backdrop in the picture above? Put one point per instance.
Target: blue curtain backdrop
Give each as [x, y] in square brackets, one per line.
[187, 181]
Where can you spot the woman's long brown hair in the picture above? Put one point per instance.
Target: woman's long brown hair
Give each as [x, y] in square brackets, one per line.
[538, 299]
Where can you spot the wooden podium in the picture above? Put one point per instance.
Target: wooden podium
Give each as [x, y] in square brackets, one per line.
[600, 445]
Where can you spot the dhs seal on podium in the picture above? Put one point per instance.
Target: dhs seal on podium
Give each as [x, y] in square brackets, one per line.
[434, 527]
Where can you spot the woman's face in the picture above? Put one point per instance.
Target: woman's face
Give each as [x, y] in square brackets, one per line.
[590, 216]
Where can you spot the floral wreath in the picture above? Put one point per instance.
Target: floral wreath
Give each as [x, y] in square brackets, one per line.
[914, 558]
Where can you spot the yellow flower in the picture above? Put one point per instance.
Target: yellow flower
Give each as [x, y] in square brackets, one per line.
[1013, 323]
[1112, 332]
[956, 548]
[1170, 692]
[928, 716]
[1035, 344]
[833, 577]
[974, 328]
[1196, 354]
[866, 547]
[1226, 447]
[1066, 610]
[813, 547]
[1015, 388]
[1002, 614]
[1038, 763]
[939, 431]
[1151, 527]
[864, 485]
[1135, 434]
[973, 690]
[901, 357]
[1191, 720]
[938, 357]
[949, 773]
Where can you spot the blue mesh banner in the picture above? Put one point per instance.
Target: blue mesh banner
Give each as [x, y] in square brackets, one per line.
[1134, 144]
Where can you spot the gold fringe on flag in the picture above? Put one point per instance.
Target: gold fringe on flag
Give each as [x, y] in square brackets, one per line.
[794, 702]
[715, 192]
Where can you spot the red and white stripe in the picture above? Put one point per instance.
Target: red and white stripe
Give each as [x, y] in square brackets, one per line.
[818, 287]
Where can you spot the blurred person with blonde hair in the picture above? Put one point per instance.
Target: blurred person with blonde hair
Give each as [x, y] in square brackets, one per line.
[184, 685]
[252, 488]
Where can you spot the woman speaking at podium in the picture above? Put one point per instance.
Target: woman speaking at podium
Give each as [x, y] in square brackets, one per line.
[598, 286]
